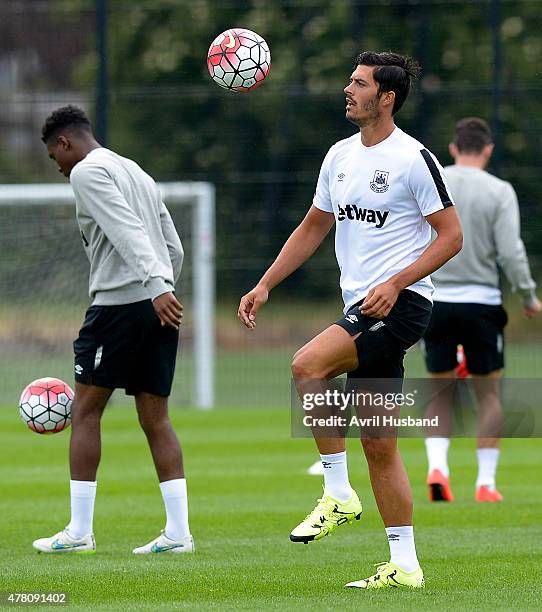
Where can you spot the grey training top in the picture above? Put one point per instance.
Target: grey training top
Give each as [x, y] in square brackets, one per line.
[488, 209]
[134, 250]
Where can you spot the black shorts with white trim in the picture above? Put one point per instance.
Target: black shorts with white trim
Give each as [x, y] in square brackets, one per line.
[479, 328]
[382, 343]
[126, 347]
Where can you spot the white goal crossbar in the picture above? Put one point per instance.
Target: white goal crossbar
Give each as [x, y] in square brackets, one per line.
[203, 263]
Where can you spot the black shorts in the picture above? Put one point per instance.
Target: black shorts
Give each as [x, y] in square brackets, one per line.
[126, 347]
[382, 343]
[478, 327]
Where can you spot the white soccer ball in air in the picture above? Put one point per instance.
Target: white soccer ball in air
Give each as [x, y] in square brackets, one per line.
[239, 60]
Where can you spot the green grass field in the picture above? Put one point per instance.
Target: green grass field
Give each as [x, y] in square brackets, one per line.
[248, 488]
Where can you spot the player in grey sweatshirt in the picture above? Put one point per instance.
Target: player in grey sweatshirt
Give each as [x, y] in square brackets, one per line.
[468, 302]
[130, 335]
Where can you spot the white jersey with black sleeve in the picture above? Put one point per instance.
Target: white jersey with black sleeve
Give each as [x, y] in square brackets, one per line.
[380, 196]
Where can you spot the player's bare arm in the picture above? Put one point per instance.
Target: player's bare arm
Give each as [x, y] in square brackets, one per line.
[299, 247]
[449, 240]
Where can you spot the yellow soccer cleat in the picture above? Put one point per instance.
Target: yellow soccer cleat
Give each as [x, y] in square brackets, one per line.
[389, 575]
[326, 517]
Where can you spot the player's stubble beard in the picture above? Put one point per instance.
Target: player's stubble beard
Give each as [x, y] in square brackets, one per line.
[373, 114]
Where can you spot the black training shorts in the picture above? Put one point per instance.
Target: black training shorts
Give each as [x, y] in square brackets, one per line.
[382, 343]
[478, 327]
[126, 347]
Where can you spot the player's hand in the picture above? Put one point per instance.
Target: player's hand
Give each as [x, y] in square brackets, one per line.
[168, 309]
[532, 308]
[250, 304]
[380, 300]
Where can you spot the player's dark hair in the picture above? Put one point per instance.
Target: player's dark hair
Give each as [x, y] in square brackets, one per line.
[65, 118]
[394, 72]
[472, 134]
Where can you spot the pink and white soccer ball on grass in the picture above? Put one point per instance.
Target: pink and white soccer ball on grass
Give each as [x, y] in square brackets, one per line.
[239, 60]
[45, 405]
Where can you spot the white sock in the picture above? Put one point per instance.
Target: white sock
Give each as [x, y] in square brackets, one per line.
[336, 483]
[487, 467]
[82, 495]
[402, 547]
[176, 503]
[437, 454]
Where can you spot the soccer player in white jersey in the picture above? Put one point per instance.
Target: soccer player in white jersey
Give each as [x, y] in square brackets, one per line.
[383, 191]
[468, 303]
[130, 335]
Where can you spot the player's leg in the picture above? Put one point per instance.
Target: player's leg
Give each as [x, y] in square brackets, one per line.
[85, 442]
[154, 419]
[490, 420]
[85, 450]
[393, 496]
[437, 445]
[440, 352]
[389, 480]
[327, 355]
[153, 416]
[381, 352]
[92, 391]
[101, 359]
[151, 384]
[85, 453]
[484, 350]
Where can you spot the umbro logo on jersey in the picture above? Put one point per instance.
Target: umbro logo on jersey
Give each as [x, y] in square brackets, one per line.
[340, 177]
[379, 184]
[352, 212]
[351, 318]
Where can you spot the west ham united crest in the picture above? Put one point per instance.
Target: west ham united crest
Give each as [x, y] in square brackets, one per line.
[380, 181]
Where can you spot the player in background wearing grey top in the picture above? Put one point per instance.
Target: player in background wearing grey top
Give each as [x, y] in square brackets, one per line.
[468, 304]
[130, 335]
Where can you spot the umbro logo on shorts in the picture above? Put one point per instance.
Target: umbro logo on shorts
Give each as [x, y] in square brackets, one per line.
[351, 318]
[78, 369]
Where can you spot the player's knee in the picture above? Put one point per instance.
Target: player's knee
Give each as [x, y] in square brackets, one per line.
[84, 413]
[304, 366]
[151, 422]
[379, 450]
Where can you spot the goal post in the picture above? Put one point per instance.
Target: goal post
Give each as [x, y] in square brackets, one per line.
[199, 196]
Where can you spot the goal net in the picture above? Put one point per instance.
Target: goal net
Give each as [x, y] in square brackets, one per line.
[44, 287]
